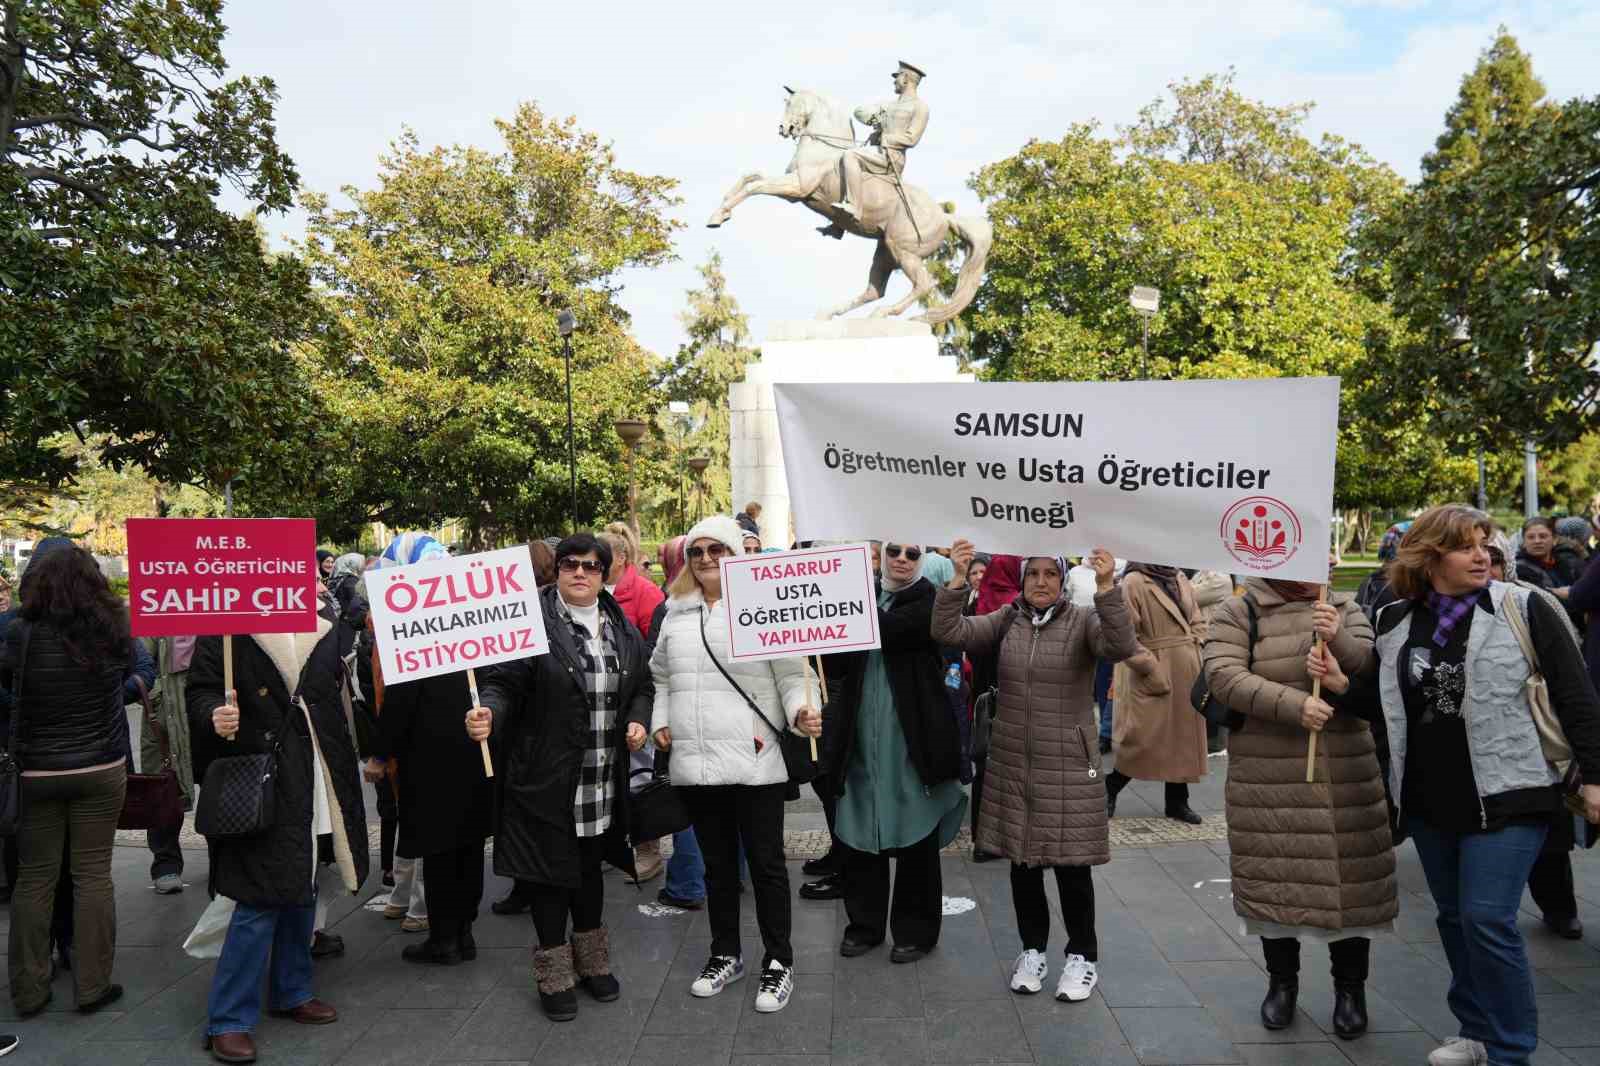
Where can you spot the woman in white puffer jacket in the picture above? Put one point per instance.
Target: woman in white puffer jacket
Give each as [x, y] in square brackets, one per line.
[726, 760]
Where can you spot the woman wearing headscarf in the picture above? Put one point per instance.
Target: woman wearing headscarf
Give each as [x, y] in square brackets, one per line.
[1310, 861]
[899, 756]
[1045, 805]
[347, 589]
[445, 798]
[1157, 735]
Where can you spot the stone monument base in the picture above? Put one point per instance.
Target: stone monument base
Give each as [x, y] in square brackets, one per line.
[865, 350]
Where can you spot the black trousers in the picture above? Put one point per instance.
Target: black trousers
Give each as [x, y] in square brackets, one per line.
[1075, 885]
[453, 882]
[1348, 956]
[826, 792]
[917, 909]
[551, 904]
[726, 816]
[1177, 792]
[1550, 884]
[166, 856]
[978, 766]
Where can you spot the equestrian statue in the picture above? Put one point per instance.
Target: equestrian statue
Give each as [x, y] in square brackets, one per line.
[857, 187]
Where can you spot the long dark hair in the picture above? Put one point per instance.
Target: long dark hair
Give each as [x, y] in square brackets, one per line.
[65, 590]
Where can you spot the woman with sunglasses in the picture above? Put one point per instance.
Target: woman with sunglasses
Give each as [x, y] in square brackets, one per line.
[563, 724]
[719, 720]
[1043, 800]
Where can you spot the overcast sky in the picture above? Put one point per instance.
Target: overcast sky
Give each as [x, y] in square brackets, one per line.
[693, 90]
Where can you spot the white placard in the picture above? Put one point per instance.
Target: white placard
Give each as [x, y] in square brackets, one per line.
[1235, 476]
[811, 601]
[445, 616]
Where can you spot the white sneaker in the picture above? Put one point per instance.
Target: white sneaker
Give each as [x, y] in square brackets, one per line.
[1028, 975]
[1077, 980]
[777, 981]
[1459, 1051]
[720, 972]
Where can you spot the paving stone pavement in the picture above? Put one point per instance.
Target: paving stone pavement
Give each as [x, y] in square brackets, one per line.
[1179, 986]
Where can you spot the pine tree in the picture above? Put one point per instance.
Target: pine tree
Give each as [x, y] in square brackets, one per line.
[1501, 92]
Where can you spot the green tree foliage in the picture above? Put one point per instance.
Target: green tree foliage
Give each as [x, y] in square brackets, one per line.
[1495, 256]
[1249, 230]
[135, 312]
[444, 376]
[714, 357]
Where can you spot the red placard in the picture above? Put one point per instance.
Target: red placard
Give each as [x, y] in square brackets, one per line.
[203, 576]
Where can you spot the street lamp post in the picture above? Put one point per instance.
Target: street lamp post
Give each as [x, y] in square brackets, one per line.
[698, 464]
[1146, 301]
[566, 322]
[631, 430]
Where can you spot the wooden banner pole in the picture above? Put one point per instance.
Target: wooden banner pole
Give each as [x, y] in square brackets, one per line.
[483, 745]
[811, 703]
[1316, 694]
[227, 677]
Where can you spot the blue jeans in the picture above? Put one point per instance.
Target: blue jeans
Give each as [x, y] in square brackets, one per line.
[1476, 880]
[1102, 696]
[282, 933]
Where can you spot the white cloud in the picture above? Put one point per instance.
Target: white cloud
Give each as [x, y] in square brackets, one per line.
[693, 91]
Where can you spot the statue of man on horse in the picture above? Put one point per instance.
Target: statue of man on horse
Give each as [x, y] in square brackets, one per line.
[857, 187]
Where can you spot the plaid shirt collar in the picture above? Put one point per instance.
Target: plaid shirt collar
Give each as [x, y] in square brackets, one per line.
[1448, 612]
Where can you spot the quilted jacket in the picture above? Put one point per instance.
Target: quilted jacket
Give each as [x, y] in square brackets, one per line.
[1316, 855]
[1044, 801]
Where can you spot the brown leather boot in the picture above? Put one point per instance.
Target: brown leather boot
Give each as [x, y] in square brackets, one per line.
[232, 1047]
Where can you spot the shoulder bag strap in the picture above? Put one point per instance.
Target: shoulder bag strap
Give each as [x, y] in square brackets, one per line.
[1552, 736]
[1250, 652]
[1519, 629]
[152, 722]
[729, 678]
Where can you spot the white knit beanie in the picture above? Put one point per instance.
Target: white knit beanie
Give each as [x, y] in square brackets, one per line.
[718, 527]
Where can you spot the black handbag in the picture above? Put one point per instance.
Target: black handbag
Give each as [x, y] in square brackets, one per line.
[10, 769]
[153, 801]
[238, 796]
[657, 809]
[796, 749]
[983, 712]
[1211, 709]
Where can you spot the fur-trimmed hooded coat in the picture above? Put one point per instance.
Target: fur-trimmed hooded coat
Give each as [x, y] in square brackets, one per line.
[278, 867]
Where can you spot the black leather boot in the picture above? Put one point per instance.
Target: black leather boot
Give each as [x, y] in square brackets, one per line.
[1349, 1009]
[1277, 1010]
[440, 949]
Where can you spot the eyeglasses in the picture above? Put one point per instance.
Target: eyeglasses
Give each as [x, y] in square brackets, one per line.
[715, 551]
[894, 551]
[569, 565]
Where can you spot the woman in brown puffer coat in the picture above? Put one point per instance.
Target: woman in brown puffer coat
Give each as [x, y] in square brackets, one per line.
[1043, 802]
[1309, 861]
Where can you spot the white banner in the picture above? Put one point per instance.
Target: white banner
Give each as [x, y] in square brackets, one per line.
[806, 602]
[443, 617]
[1235, 476]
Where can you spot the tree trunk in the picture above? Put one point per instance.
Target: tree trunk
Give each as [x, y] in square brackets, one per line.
[11, 74]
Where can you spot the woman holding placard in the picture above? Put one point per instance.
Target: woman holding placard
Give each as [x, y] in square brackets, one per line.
[1310, 861]
[1044, 804]
[718, 720]
[564, 724]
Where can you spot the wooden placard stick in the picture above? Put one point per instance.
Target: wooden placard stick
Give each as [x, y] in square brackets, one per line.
[810, 703]
[483, 745]
[1316, 694]
[227, 676]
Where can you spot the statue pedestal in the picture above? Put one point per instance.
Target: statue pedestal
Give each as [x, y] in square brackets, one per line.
[865, 350]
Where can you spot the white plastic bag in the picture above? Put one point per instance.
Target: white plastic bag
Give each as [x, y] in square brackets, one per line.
[205, 940]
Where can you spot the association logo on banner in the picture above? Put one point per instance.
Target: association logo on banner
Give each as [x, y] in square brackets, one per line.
[1261, 532]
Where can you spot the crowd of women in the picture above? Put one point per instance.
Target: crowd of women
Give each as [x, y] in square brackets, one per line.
[1460, 714]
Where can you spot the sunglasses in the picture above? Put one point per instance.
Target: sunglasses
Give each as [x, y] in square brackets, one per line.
[715, 551]
[894, 551]
[569, 565]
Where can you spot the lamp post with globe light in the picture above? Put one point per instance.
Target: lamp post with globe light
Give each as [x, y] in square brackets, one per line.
[631, 430]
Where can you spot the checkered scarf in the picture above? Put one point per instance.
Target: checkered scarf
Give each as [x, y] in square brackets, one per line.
[602, 673]
[1448, 612]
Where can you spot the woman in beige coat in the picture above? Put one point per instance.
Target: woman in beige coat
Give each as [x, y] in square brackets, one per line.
[1042, 799]
[1157, 734]
[1309, 861]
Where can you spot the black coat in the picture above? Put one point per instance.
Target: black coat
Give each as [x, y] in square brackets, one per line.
[541, 729]
[72, 716]
[277, 868]
[445, 799]
[916, 678]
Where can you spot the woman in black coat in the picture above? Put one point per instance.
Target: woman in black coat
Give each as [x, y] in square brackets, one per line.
[559, 720]
[271, 876]
[445, 801]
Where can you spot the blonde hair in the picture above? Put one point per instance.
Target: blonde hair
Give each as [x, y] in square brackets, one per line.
[621, 534]
[1435, 533]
